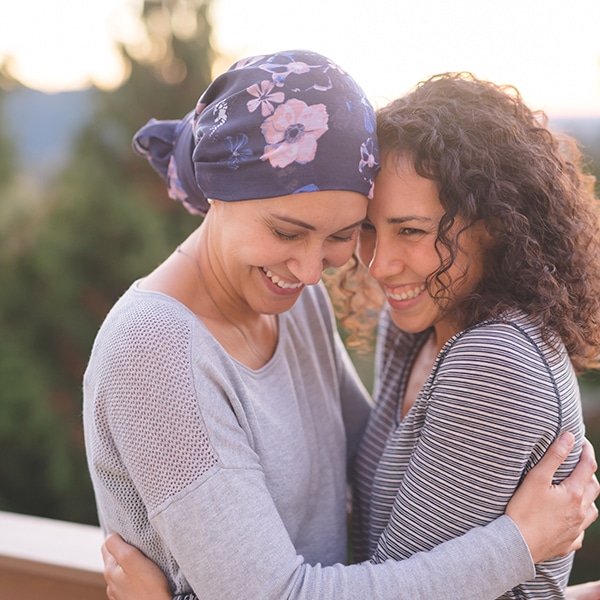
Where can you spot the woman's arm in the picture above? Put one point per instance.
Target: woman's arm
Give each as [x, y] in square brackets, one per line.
[561, 511]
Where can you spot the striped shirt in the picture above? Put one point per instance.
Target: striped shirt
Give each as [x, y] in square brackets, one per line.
[496, 398]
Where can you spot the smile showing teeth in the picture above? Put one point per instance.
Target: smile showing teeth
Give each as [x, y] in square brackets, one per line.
[408, 294]
[279, 282]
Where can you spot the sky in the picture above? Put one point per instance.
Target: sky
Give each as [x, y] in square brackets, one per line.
[548, 49]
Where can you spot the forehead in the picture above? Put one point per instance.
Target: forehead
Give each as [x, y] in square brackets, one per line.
[322, 209]
[399, 190]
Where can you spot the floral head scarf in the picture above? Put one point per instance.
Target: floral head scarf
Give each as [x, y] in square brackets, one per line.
[270, 126]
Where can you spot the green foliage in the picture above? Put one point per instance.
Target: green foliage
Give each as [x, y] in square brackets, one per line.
[586, 565]
[7, 161]
[39, 423]
[104, 222]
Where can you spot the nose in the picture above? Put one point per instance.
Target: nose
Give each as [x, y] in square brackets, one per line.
[384, 262]
[308, 264]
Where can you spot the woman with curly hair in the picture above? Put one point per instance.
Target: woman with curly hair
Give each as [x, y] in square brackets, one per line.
[484, 238]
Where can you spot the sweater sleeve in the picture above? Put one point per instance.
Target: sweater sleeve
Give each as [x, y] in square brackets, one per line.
[481, 564]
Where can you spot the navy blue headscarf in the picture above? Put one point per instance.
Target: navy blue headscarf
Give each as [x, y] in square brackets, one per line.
[270, 126]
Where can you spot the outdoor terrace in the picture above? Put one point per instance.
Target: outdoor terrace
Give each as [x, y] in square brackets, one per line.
[53, 560]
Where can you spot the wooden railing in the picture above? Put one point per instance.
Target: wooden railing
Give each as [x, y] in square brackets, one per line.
[48, 559]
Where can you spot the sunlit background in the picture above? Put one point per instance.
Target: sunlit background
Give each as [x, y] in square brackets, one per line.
[81, 216]
[549, 49]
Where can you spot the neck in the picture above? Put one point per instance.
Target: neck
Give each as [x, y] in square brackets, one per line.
[216, 294]
[224, 314]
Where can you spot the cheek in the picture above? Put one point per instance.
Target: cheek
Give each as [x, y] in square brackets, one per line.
[340, 254]
[424, 258]
[365, 248]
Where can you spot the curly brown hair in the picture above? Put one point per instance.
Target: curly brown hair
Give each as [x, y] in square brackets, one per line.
[495, 161]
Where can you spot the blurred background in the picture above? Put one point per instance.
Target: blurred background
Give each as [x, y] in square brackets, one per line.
[81, 217]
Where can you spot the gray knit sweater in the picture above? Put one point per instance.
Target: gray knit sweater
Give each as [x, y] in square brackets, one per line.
[234, 481]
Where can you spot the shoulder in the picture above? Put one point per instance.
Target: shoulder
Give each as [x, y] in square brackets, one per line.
[150, 350]
[512, 339]
[503, 358]
[144, 327]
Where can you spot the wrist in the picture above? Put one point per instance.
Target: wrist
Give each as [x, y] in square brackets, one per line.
[530, 535]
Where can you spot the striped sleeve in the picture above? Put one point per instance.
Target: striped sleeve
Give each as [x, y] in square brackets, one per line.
[492, 409]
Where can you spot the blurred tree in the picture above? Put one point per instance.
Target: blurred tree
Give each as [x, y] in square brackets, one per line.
[7, 148]
[105, 222]
[6, 152]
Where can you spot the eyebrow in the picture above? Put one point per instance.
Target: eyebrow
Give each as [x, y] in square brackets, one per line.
[310, 227]
[400, 220]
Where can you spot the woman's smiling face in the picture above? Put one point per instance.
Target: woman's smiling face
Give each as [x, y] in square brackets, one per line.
[270, 249]
[397, 244]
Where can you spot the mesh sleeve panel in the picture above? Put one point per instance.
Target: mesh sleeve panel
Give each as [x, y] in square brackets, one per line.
[150, 407]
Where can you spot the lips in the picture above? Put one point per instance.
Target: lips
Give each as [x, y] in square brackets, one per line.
[406, 293]
[279, 282]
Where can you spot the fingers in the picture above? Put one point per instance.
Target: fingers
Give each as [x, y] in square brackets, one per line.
[591, 512]
[569, 504]
[130, 574]
[583, 484]
[582, 480]
[114, 544]
[588, 459]
[123, 554]
[107, 557]
[588, 450]
[110, 562]
[111, 565]
[553, 458]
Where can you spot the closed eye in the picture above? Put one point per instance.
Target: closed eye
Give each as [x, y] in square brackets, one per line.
[344, 238]
[285, 236]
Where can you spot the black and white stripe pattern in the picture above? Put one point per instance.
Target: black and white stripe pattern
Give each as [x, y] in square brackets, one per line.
[496, 399]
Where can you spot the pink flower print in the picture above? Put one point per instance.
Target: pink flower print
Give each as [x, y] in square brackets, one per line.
[264, 97]
[200, 106]
[298, 67]
[174, 187]
[292, 132]
[371, 189]
[367, 155]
